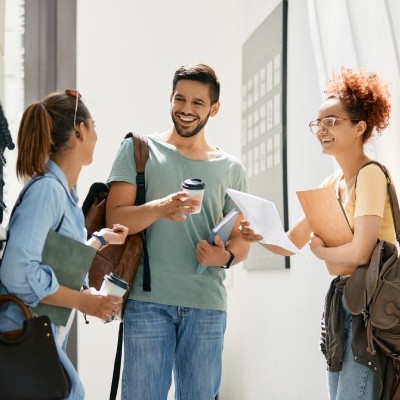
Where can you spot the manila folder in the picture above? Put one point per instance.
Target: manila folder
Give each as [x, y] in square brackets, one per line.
[326, 216]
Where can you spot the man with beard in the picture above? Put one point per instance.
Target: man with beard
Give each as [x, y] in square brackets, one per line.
[179, 325]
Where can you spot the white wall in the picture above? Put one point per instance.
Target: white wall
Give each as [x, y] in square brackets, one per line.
[272, 340]
[127, 53]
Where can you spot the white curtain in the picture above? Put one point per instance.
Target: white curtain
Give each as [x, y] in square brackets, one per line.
[362, 33]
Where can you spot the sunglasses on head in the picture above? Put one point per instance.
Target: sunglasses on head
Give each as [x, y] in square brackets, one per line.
[74, 93]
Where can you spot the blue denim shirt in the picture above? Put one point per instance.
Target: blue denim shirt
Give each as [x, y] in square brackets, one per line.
[22, 272]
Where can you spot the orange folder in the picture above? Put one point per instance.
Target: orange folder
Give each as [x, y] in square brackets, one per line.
[327, 219]
[326, 216]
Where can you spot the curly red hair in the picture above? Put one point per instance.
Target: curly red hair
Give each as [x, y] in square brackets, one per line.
[364, 97]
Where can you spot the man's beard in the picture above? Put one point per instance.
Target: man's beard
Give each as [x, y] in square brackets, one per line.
[184, 132]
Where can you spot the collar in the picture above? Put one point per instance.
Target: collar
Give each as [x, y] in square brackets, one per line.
[54, 170]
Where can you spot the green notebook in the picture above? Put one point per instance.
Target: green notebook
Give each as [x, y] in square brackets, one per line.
[70, 261]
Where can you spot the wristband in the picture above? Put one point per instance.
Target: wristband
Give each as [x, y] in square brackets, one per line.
[100, 238]
[230, 261]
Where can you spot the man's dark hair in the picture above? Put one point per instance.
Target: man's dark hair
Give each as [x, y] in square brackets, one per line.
[199, 73]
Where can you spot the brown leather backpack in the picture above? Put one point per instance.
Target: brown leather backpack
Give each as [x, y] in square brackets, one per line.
[373, 290]
[122, 260]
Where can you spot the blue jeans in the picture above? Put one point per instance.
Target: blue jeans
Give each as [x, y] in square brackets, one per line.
[160, 338]
[354, 381]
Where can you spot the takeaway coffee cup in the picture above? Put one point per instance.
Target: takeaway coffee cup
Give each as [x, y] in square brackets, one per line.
[114, 285]
[195, 188]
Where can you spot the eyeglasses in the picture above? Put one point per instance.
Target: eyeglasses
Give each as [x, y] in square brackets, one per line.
[77, 95]
[326, 123]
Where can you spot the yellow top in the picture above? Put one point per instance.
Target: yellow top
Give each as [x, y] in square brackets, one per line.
[369, 198]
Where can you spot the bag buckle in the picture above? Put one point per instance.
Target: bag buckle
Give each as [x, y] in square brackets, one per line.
[365, 311]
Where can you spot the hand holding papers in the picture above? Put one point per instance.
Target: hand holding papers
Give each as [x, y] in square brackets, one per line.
[263, 218]
[223, 230]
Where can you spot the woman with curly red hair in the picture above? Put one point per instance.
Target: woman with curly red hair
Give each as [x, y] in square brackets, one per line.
[356, 105]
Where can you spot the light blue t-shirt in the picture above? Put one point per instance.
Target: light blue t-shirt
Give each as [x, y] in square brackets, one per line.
[172, 245]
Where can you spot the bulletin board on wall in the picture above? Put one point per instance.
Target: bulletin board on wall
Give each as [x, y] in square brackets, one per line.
[264, 152]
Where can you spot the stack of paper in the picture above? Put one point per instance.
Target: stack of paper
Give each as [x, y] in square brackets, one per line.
[263, 218]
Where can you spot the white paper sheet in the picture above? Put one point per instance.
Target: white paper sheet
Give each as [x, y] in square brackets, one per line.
[263, 218]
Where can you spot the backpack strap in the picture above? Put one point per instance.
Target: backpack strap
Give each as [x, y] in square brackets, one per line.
[60, 223]
[18, 203]
[140, 155]
[22, 195]
[391, 190]
[23, 192]
[117, 363]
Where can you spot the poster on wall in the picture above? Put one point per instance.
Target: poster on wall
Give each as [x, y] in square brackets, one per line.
[264, 153]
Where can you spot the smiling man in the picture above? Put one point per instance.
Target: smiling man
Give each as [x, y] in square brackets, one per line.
[179, 325]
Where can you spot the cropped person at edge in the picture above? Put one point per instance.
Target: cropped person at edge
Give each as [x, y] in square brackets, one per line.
[56, 138]
[179, 325]
[357, 102]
